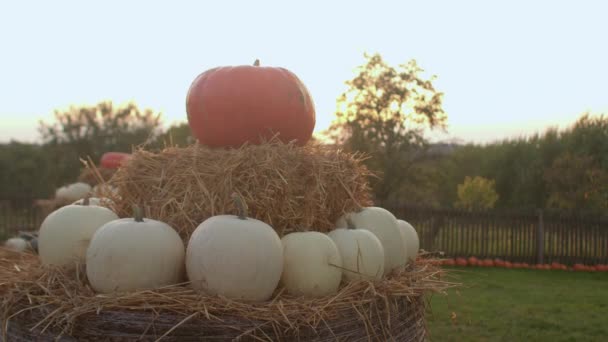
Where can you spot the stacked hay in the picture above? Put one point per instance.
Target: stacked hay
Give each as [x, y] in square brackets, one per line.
[292, 188]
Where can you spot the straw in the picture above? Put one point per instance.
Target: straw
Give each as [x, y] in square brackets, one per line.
[289, 187]
[37, 299]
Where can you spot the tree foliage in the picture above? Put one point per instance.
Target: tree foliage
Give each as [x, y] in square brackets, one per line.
[23, 171]
[576, 182]
[384, 113]
[103, 127]
[178, 135]
[87, 131]
[476, 193]
[560, 169]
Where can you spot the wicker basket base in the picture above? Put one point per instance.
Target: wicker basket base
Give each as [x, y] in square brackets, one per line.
[406, 319]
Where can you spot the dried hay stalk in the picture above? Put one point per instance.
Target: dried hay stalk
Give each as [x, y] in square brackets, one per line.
[289, 187]
[39, 301]
[92, 177]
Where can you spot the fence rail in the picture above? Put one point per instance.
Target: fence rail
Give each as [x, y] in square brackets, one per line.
[533, 237]
[540, 237]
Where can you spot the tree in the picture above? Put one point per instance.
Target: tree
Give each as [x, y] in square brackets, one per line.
[384, 114]
[176, 135]
[577, 182]
[102, 127]
[476, 193]
[89, 131]
[589, 136]
[23, 171]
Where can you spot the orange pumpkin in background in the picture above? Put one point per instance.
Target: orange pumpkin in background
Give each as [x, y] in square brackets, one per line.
[499, 263]
[461, 262]
[113, 160]
[229, 106]
[558, 266]
[578, 267]
[449, 262]
[488, 263]
[473, 261]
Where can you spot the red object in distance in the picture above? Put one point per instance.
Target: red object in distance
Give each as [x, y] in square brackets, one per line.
[113, 160]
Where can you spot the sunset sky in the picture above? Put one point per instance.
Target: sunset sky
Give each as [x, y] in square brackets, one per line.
[507, 68]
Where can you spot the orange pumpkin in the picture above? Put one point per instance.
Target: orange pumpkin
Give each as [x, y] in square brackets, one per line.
[579, 267]
[557, 266]
[488, 263]
[461, 262]
[499, 263]
[449, 262]
[113, 160]
[473, 261]
[508, 264]
[229, 106]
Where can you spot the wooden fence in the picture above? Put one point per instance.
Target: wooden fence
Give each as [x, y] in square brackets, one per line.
[538, 237]
[16, 215]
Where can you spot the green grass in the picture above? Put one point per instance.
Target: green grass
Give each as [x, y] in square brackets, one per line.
[521, 305]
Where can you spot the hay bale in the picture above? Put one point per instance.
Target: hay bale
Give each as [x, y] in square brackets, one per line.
[92, 176]
[291, 188]
[41, 303]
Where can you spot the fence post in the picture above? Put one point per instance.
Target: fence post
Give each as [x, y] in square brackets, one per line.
[540, 238]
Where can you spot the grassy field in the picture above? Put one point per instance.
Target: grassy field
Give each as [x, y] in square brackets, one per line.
[521, 305]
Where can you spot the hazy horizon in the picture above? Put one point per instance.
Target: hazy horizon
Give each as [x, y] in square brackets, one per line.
[507, 69]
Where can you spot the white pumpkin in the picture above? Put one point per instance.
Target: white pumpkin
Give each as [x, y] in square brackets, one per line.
[412, 241]
[235, 256]
[312, 264]
[361, 252]
[16, 244]
[384, 225]
[61, 193]
[98, 201]
[134, 254]
[73, 192]
[64, 234]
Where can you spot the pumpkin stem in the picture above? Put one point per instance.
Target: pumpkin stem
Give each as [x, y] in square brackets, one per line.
[240, 206]
[256, 63]
[138, 214]
[85, 200]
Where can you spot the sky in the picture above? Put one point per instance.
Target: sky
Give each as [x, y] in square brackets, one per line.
[507, 68]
